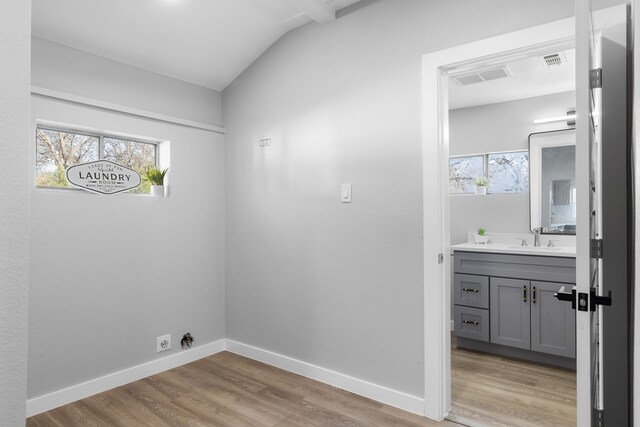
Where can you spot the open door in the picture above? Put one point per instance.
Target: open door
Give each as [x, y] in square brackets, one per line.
[589, 297]
[588, 55]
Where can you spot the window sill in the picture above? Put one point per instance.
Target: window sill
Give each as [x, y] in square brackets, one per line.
[71, 190]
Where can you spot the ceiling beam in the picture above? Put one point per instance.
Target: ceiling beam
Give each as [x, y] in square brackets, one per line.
[318, 10]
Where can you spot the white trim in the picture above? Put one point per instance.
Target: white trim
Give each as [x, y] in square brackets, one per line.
[89, 388]
[435, 137]
[376, 392]
[62, 397]
[457, 156]
[77, 99]
[317, 10]
[435, 144]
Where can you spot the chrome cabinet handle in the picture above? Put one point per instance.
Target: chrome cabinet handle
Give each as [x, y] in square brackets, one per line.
[470, 290]
[470, 322]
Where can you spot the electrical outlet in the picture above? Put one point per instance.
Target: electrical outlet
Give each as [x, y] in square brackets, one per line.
[164, 343]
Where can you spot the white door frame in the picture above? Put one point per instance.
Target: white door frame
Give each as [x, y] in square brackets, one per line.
[436, 68]
[435, 148]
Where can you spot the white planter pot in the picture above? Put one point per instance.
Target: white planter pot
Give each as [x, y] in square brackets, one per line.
[157, 190]
[481, 189]
[478, 239]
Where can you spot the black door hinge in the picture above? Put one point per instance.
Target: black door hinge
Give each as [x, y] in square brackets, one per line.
[596, 78]
[598, 417]
[596, 248]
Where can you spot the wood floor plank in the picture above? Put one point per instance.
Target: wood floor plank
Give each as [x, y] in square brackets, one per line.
[230, 390]
[497, 391]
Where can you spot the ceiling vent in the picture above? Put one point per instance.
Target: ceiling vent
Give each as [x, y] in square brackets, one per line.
[483, 76]
[555, 60]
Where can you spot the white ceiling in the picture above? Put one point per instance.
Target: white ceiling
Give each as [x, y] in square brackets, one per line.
[530, 77]
[206, 42]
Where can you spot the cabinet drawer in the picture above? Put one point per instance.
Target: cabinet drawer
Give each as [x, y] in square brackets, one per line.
[471, 322]
[528, 267]
[472, 291]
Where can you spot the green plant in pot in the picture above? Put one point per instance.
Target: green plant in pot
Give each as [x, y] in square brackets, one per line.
[480, 236]
[156, 177]
[481, 184]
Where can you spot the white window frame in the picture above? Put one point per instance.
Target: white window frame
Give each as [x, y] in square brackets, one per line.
[94, 134]
[485, 173]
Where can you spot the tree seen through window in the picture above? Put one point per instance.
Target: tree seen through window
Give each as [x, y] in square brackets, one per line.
[58, 150]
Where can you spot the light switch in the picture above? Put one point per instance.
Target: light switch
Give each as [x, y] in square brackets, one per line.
[345, 196]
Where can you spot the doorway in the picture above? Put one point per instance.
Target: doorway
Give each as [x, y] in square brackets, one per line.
[437, 70]
[513, 356]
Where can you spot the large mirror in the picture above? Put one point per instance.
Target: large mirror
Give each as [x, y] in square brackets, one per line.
[552, 181]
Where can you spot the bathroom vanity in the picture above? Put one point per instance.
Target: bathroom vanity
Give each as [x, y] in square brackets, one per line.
[504, 301]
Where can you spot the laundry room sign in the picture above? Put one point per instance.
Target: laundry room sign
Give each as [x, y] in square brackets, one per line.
[103, 177]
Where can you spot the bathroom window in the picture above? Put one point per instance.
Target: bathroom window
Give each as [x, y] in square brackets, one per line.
[57, 150]
[508, 172]
[463, 171]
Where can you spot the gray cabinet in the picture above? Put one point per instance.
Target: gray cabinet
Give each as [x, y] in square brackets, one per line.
[553, 322]
[510, 313]
[471, 322]
[471, 291]
[506, 300]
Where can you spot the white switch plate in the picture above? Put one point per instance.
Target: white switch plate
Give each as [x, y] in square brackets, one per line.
[164, 343]
[345, 194]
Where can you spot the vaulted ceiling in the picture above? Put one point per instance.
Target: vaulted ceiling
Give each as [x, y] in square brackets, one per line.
[205, 42]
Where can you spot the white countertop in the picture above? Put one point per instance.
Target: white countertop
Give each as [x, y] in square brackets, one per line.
[507, 244]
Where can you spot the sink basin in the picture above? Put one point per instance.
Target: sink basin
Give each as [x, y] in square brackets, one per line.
[534, 248]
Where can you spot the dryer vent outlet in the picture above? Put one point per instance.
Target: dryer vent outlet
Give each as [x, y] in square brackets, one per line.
[187, 341]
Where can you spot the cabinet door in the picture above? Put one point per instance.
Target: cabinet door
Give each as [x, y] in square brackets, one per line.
[553, 322]
[509, 312]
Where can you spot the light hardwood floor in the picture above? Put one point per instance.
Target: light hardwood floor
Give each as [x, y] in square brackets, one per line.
[490, 390]
[230, 390]
[227, 390]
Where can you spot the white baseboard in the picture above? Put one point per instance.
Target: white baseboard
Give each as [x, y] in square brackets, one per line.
[376, 392]
[62, 397]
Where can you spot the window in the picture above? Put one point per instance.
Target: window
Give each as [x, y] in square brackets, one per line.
[507, 172]
[463, 171]
[57, 150]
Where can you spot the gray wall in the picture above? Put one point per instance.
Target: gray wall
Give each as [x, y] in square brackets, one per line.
[504, 126]
[15, 28]
[73, 71]
[340, 285]
[111, 273]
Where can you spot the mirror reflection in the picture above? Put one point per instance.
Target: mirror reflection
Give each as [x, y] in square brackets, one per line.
[552, 180]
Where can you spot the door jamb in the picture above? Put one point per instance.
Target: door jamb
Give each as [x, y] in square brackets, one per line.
[436, 68]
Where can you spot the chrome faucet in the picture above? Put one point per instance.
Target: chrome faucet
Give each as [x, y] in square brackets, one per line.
[536, 236]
